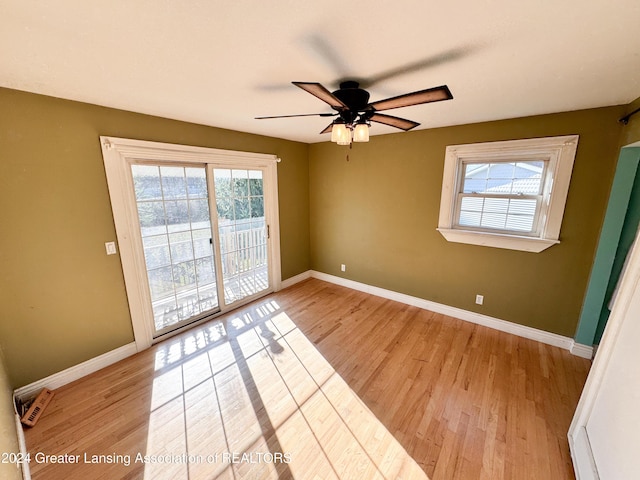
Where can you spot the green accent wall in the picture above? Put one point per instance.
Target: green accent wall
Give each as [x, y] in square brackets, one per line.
[618, 232]
[377, 212]
[627, 236]
[611, 251]
[63, 299]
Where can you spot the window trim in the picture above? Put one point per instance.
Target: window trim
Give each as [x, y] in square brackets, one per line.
[559, 151]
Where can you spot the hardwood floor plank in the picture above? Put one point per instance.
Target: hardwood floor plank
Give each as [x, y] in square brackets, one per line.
[345, 384]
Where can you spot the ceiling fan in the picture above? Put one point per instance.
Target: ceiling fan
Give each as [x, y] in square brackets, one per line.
[354, 112]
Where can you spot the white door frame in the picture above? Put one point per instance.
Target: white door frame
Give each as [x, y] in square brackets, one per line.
[118, 155]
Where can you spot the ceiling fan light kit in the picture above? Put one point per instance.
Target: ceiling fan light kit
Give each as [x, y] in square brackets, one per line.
[341, 134]
[361, 132]
[344, 134]
[355, 113]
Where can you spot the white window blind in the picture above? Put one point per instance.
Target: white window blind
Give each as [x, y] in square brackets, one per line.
[501, 195]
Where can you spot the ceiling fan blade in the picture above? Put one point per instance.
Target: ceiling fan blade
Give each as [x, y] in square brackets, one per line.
[301, 115]
[327, 129]
[446, 56]
[322, 93]
[322, 48]
[435, 94]
[397, 122]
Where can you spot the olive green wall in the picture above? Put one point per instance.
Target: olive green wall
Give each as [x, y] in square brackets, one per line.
[63, 299]
[377, 213]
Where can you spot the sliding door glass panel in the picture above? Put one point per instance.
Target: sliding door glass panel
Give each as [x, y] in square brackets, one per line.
[175, 225]
[242, 232]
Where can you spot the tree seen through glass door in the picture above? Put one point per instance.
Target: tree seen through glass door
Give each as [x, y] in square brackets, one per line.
[242, 231]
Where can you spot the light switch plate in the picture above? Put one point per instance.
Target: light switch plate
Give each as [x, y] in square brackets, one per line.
[111, 248]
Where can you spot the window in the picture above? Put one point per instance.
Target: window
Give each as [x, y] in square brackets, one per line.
[507, 194]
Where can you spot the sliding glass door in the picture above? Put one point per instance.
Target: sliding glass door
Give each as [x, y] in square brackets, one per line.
[175, 227]
[204, 236]
[197, 230]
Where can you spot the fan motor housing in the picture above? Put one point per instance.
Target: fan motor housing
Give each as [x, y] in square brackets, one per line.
[353, 96]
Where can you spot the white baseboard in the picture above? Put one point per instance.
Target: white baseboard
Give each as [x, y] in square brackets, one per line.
[71, 374]
[584, 464]
[580, 350]
[542, 336]
[293, 280]
[22, 445]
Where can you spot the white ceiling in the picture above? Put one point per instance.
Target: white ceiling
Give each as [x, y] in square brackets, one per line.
[222, 63]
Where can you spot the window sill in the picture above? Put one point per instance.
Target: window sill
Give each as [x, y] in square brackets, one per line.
[497, 240]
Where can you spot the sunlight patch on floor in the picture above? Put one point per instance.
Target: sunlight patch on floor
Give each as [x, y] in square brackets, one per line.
[251, 397]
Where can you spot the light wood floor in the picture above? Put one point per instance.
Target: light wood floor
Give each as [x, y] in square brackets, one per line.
[320, 382]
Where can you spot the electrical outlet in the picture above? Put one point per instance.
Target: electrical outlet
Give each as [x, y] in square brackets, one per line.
[343, 268]
[479, 299]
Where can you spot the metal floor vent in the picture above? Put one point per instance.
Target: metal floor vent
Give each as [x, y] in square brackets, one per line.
[37, 407]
